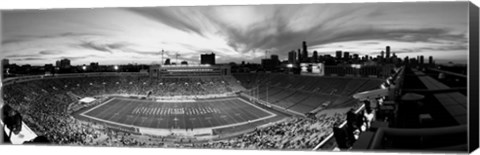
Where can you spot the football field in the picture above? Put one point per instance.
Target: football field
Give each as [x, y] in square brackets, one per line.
[177, 115]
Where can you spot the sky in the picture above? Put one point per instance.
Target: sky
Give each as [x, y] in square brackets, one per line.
[234, 33]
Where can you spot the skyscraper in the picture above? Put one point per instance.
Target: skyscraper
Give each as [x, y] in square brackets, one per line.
[207, 59]
[338, 55]
[292, 57]
[382, 54]
[421, 60]
[430, 60]
[315, 56]
[299, 55]
[388, 52]
[346, 55]
[304, 52]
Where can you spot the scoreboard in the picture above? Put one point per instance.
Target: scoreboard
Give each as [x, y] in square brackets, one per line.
[312, 69]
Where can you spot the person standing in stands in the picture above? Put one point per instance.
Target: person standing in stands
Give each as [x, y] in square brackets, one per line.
[369, 116]
[12, 119]
[351, 125]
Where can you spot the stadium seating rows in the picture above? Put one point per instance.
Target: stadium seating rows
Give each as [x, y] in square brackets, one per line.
[304, 93]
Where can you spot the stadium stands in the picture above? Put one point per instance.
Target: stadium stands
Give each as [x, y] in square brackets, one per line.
[294, 133]
[304, 93]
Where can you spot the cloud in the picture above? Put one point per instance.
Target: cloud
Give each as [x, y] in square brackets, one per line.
[29, 59]
[403, 35]
[445, 48]
[50, 52]
[73, 58]
[21, 55]
[13, 40]
[175, 17]
[25, 38]
[102, 47]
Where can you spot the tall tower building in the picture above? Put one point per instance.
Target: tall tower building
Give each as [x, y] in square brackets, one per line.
[338, 55]
[388, 52]
[292, 57]
[346, 55]
[430, 60]
[304, 52]
[299, 55]
[315, 56]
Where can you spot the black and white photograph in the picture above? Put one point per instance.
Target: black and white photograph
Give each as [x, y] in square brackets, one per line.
[321, 77]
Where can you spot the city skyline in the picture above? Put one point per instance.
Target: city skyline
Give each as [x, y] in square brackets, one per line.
[234, 33]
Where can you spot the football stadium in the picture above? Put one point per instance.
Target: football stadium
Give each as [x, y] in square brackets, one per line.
[348, 91]
[170, 109]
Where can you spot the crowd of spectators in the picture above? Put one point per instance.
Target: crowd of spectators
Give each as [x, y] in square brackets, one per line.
[144, 85]
[294, 133]
[44, 104]
[43, 107]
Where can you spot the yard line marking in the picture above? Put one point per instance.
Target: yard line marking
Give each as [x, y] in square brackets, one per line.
[157, 109]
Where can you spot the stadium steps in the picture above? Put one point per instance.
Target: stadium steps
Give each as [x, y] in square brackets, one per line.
[349, 91]
[272, 91]
[279, 96]
[287, 101]
[300, 101]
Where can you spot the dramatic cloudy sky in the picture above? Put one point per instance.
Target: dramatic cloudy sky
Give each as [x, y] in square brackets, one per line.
[234, 33]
